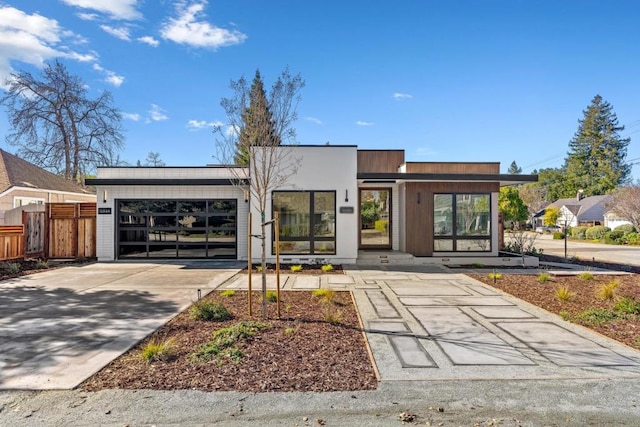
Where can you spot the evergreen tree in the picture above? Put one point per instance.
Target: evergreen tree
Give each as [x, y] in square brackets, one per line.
[514, 169]
[259, 127]
[596, 159]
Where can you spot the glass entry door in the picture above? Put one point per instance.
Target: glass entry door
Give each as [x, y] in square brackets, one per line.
[375, 218]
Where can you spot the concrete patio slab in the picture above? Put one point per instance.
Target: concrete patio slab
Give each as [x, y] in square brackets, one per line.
[430, 288]
[381, 304]
[455, 301]
[503, 313]
[339, 279]
[408, 349]
[306, 282]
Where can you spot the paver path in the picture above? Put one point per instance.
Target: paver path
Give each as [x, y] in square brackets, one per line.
[431, 324]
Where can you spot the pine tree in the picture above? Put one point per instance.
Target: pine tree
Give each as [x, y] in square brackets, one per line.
[596, 159]
[514, 169]
[259, 127]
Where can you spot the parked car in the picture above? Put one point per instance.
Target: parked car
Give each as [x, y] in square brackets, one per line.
[548, 229]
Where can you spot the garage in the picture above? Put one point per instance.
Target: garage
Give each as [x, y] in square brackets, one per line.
[175, 228]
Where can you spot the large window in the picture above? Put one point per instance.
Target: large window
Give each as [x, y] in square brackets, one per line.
[307, 221]
[461, 223]
[176, 228]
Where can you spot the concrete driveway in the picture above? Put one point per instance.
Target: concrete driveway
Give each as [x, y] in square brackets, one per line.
[59, 327]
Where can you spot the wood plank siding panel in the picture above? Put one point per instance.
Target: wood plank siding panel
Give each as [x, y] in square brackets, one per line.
[453, 167]
[419, 210]
[379, 160]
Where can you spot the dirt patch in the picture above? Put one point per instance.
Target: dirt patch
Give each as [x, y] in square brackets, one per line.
[623, 328]
[302, 351]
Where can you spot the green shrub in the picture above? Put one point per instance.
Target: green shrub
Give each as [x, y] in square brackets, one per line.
[544, 277]
[558, 235]
[564, 294]
[295, 268]
[607, 291]
[631, 239]
[585, 275]
[227, 293]
[223, 341]
[627, 305]
[42, 265]
[272, 296]
[578, 232]
[11, 267]
[154, 351]
[325, 295]
[594, 316]
[613, 237]
[207, 310]
[596, 232]
[625, 229]
[327, 267]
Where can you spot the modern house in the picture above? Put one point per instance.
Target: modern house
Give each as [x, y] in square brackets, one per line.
[341, 204]
[578, 211]
[24, 185]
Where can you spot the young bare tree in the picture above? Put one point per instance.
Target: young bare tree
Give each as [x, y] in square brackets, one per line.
[153, 159]
[252, 137]
[57, 126]
[626, 203]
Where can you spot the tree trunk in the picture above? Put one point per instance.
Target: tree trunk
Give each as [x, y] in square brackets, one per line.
[263, 237]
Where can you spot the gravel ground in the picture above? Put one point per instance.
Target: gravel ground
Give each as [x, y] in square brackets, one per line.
[460, 403]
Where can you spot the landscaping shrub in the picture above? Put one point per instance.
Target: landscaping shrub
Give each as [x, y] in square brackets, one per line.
[42, 265]
[495, 276]
[627, 305]
[381, 225]
[325, 295]
[155, 351]
[596, 232]
[227, 293]
[544, 277]
[296, 268]
[558, 235]
[594, 316]
[564, 294]
[11, 267]
[272, 296]
[625, 229]
[224, 340]
[607, 291]
[207, 310]
[578, 232]
[327, 268]
[585, 275]
[631, 239]
[613, 237]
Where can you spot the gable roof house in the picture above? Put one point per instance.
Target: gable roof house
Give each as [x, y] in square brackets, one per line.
[23, 183]
[579, 210]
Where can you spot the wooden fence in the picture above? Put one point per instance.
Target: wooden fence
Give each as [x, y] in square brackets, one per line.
[64, 230]
[71, 230]
[11, 242]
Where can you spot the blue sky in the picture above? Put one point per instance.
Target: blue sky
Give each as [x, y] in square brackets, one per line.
[445, 80]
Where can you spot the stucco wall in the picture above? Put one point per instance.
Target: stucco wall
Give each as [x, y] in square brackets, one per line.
[328, 168]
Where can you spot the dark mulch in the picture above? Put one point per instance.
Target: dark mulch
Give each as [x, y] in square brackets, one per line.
[543, 294]
[299, 352]
[286, 269]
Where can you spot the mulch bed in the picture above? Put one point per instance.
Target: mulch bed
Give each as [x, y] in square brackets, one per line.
[286, 269]
[299, 352]
[543, 294]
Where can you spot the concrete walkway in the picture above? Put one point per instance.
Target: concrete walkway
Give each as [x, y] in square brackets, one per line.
[59, 327]
[429, 323]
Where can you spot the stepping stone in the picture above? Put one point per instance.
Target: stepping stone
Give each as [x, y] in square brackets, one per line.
[381, 304]
[563, 347]
[454, 301]
[407, 348]
[503, 313]
[241, 282]
[368, 286]
[340, 280]
[482, 290]
[306, 282]
[464, 341]
[430, 288]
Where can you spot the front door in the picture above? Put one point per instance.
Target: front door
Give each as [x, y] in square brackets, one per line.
[375, 218]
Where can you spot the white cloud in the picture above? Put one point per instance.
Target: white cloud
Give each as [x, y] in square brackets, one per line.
[110, 77]
[399, 95]
[313, 120]
[149, 40]
[118, 9]
[32, 39]
[156, 114]
[201, 124]
[131, 116]
[187, 28]
[121, 33]
[87, 16]
[361, 123]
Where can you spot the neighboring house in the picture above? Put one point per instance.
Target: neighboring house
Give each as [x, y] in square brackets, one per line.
[577, 211]
[23, 183]
[613, 220]
[341, 202]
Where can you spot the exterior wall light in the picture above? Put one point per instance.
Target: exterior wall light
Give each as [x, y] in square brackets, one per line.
[346, 195]
[246, 196]
[104, 196]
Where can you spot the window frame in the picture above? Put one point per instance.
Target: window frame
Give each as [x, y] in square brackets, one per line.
[455, 237]
[311, 238]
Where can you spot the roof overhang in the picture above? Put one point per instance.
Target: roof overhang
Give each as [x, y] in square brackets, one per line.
[163, 181]
[399, 177]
